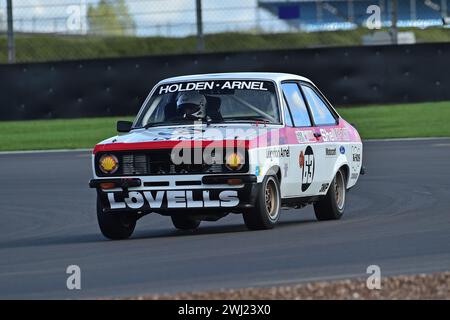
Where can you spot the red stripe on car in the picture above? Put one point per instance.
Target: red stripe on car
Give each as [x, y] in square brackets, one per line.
[123, 146]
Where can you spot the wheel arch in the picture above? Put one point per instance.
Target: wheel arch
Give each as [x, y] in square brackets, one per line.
[274, 170]
[346, 170]
[342, 163]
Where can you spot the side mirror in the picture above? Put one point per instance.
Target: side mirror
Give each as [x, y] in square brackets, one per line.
[124, 126]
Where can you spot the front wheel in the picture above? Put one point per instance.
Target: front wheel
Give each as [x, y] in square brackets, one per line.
[267, 208]
[332, 205]
[115, 225]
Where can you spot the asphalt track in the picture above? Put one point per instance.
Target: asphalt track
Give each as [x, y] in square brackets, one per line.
[398, 217]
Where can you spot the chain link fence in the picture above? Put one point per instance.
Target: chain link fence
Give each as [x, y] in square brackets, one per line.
[87, 29]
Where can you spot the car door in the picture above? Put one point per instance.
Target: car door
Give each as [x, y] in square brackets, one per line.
[304, 140]
[325, 122]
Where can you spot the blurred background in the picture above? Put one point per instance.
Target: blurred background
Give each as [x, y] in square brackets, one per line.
[51, 30]
[70, 68]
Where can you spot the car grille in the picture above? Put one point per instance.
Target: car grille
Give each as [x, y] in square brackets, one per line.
[158, 162]
[134, 164]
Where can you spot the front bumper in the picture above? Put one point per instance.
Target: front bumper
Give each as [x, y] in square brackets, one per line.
[212, 194]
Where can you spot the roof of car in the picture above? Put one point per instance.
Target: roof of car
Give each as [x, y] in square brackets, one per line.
[237, 75]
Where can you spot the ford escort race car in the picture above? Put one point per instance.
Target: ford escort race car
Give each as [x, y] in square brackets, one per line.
[204, 146]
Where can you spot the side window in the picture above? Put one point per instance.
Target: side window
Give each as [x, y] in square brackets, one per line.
[296, 105]
[320, 112]
[287, 116]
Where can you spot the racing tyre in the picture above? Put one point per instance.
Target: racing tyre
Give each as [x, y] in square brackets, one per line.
[267, 207]
[115, 226]
[332, 205]
[185, 223]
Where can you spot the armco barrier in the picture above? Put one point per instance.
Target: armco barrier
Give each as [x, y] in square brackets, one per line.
[116, 87]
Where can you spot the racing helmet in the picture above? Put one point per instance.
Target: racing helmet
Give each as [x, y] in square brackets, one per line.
[192, 104]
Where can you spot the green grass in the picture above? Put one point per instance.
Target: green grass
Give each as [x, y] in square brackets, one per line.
[55, 134]
[401, 121]
[41, 47]
[393, 121]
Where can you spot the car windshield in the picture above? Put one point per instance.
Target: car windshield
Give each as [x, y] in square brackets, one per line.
[211, 101]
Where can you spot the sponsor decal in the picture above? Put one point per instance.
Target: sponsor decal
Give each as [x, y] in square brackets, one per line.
[161, 139]
[342, 134]
[305, 136]
[286, 167]
[172, 199]
[342, 150]
[257, 171]
[324, 187]
[282, 152]
[335, 134]
[300, 137]
[108, 164]
[310, 136]
[330, 152]
[307, 168]
[162, 136]
[212, 85]
[354, 176]
[356, 154]
[327, 135]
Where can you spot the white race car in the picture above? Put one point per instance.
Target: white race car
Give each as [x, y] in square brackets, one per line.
[204, 146]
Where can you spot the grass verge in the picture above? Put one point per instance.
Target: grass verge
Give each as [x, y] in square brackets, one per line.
[393, 121]
[55, 134]
[401, 121]
[42, 47]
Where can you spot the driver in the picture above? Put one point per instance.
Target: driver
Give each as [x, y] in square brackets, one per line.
[191, 105]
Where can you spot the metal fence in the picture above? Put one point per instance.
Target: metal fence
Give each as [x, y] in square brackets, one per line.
[83, 29]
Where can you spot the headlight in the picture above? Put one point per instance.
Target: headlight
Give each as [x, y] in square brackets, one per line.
[108, 163]
[235, 161]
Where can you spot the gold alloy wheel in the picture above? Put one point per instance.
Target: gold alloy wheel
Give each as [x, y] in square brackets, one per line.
[271, 198]
[339, 190]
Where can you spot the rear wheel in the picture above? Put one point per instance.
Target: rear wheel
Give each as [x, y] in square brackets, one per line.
[267, 208]
[332, 205]
[185, 223]
[115, 225]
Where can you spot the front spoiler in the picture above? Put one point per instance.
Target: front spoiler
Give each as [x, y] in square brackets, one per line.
[247, 193]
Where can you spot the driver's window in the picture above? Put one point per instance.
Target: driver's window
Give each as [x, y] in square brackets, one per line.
[321, 114]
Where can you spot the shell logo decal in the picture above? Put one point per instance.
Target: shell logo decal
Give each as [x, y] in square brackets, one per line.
[108, 164]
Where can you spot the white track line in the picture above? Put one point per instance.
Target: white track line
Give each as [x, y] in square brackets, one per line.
[44, 151]
[406, 139]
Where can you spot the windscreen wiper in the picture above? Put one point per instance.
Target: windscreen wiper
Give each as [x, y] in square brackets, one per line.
[168, 123]
[249, 119]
